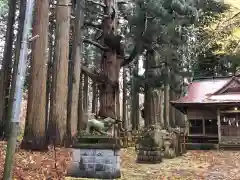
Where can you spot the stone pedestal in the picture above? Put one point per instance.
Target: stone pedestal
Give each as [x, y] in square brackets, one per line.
[150, 146]
[149, 155]
[169, 153]
[95, 157]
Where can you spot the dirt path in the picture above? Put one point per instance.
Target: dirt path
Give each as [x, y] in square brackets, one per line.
[207, 165]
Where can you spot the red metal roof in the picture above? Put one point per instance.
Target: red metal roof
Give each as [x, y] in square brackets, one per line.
[206, 91]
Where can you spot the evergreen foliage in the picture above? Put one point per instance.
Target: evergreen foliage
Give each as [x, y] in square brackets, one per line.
[220, 47]
[3, 22]
[3, 7]
[172, 29]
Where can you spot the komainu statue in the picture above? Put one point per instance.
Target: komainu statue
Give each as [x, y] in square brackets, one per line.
[101, 126]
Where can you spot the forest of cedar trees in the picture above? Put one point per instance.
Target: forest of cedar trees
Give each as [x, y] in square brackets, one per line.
[110, 58]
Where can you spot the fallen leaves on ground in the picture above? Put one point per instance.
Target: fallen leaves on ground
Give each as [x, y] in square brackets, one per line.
[194, 165]
[37, 165]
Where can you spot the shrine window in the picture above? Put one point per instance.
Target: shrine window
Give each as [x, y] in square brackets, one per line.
[195, 126]
[211, 126]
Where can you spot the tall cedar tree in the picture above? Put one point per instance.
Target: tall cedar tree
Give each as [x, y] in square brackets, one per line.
[35, 121]
[110, 67]
[135, 97]
[58, 124]
[74, 71]
[124, 99]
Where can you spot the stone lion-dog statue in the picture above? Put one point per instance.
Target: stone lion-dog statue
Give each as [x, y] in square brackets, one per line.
[101, 125]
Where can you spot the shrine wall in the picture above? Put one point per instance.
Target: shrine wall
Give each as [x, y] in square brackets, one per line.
[230, 134]
[230, 140]
[201, 114]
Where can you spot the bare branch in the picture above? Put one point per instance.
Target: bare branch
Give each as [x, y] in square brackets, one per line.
[89, 72]
[29, 53]
[59, 4]
[97, 77]
[235, 15]
[132, 56]
[121, 2]
[138, 46]
[33, 38]
[97, 3]
[97, 13]
[97, 26]
[89, 41]
[232, 17]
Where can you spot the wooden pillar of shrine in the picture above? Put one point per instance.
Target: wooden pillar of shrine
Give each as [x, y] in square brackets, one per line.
[219, 125]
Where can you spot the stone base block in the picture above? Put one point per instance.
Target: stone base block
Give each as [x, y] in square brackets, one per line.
[76, 172]
[95, 163]
[150, 155]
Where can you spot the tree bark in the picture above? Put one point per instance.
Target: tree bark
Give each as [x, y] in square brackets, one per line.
[51, 44]
[148, 91]
[153, 93]
[94, 85]
[172, 109]
[36, 108]
[135, 99]
[152, 110]
[162, 109]
[166, 100]
[7, 65]
[157, 101]
[60, 73]
[124, 99]
[80, 124]
[85, 96]
[94, 97]
[75, 71]
[110, 67]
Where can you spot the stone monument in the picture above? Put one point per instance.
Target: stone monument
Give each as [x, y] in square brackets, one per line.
[96, 151]
[150, 146]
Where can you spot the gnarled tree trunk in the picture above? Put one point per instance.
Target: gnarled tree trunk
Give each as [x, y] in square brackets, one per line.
[110, 66]
[153, 93]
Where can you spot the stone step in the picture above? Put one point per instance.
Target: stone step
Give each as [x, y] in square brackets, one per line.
[96, 146]
[229, 146]
[97, 139]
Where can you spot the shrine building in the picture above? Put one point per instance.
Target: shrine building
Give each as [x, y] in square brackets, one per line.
[212, 107]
